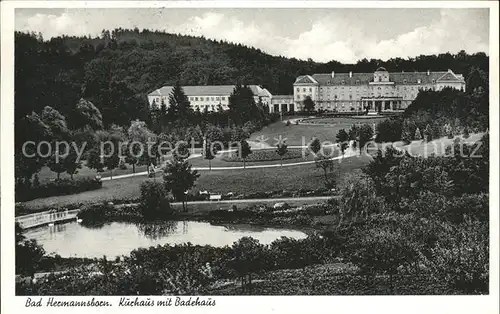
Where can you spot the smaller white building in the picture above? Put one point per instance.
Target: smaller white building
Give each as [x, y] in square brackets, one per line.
[209, 97]
[282, 103]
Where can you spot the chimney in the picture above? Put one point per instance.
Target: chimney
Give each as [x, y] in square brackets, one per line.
[428, 72]
[350, 73]
[333, 74]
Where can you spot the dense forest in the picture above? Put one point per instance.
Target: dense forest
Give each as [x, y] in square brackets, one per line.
[116, 70]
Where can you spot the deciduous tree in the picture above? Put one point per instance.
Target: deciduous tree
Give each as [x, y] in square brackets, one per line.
[179, 178]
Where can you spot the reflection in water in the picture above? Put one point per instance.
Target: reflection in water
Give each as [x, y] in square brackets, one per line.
[156, 231]
[57, 228]
[119, 238]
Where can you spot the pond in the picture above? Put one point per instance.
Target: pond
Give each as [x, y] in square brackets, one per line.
[119, 238]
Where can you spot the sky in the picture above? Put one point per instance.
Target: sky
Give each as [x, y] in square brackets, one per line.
[342, 34]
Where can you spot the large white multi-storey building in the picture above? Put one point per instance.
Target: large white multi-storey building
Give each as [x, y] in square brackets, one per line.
[379, 91]
[210, 97]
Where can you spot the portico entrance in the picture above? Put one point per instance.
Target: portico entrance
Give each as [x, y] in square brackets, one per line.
[381, 104]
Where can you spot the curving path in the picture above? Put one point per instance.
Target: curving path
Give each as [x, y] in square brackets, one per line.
[416, 146]
[347, 154]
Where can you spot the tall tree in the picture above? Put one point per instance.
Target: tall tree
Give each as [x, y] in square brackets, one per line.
[406, 135]
[246, 150]
[308, 104]
[71, 162]
[87, 115]
[94, 160]
[111, 141]
[242, 106]
[365, 135]
[59, 130]
[209, 152]
[315, 146]
[418, 135]
[428, 133]
[343, 140]
[178, 178]
[179, 109]
[281, 150]
[139, 137]
[328, 166]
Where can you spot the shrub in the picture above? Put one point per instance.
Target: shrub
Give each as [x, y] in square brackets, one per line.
[418, 135]
[382, 250]
[389, 130]
[96, 213]
[461, 258]
[316, 210]
[265, 155]
[55, 188]
[466, 132]
[28, 256]
[453, 209]
[287, 253]
[358, 197]
[154, 201]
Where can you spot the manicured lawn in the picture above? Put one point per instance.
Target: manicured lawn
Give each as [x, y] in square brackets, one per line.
[345, 120]
[219, 161]
[46, 174]
[302, 134]
[246, 181]
[127, 188]
[238, 181]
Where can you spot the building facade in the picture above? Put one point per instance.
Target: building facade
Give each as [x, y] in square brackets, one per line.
[210, 97]
[376, 92]
[282, 103]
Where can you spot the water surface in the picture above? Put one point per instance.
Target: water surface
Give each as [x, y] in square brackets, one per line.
[119, 238]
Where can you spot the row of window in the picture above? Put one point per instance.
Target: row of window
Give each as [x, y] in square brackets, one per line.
[304, 89]
[212, 98]
[358, 82]
[213, 107]
[367, 88]
[303, 96]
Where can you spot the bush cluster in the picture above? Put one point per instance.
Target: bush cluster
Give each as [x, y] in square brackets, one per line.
[154, 200]
[265, 155]
[55, 188]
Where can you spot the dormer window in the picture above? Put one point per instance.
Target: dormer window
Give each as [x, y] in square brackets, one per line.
[433, 81]
[343, 82]
[357, 82]
[404, 81]
[419, 81]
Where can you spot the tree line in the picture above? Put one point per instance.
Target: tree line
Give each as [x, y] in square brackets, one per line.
[116, 70]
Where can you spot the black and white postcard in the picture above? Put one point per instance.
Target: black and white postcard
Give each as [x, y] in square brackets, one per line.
[164, 156]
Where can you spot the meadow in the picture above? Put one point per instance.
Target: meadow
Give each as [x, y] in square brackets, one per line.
[325, 129]
[238, 181]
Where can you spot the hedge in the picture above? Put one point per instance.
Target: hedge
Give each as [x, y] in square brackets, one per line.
[56, 188]
[265, 155]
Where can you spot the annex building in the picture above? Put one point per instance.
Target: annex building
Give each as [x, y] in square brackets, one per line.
[378, 92]
[209, 97]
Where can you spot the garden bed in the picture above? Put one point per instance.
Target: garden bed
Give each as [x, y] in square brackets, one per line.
[267, 155]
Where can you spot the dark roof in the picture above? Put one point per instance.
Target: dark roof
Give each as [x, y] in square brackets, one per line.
[305, 79]
[209, 90]
[282, 96]
[396, 77]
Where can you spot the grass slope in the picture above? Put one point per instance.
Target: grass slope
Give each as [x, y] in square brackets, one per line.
[240, 181]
